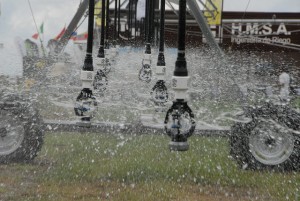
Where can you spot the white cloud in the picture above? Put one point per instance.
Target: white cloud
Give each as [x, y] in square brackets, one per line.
[263, 5]
[16, 19]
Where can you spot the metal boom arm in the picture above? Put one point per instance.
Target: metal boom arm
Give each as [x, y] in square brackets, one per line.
[71, 27]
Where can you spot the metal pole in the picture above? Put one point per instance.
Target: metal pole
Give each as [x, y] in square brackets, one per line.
[72, 26]
[201, 20]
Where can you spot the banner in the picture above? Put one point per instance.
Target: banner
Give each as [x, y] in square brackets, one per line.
[41, 31]
[80, 37]
[213, 11]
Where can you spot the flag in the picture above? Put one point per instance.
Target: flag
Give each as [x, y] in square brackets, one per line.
[82, 36]
[42, 28]
[35, 36]
[73, 36]
[61, 33]
[41, 31]
[214, 12]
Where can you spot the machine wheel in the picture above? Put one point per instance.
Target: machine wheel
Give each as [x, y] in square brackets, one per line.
[267, 142]
[21, 130]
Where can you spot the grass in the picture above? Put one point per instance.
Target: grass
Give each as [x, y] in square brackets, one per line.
[296, 103]
[74, 166]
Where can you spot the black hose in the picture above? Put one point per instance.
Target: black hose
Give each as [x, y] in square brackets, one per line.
[88, 62]
[135, 19]
[115, 21]
[107, 24]
[129, 19]
[89, 49]
[119, 18]
[151, 19]
[101, 48]
[161, 57]
[146, 21]
[180, 66]
[147, 27]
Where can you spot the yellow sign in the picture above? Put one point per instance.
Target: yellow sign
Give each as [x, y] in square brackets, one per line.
[98, 12]
[98, 8]
[213, 11]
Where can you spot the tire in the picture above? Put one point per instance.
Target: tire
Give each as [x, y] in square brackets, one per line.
[21, 130]
[268, 141]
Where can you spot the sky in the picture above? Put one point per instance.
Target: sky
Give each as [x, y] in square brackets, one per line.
[16, 19]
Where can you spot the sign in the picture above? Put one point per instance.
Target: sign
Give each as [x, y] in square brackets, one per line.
[213, 11]
[260, 33]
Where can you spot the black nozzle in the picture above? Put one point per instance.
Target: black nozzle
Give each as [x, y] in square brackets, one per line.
[180, 67]
[148, 49]
[161, 59]
[101, 52]
[88, 63]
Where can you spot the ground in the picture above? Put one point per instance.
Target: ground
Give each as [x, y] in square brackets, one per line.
[77, 166]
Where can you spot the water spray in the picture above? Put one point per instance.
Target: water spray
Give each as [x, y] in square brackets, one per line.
[179, 120]
[86, 102]
[145, 73]
[159, 93]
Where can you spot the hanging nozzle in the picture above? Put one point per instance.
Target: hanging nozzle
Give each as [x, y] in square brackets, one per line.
[159, 93]
[100, 82]
[103, 64]
[85, 106]
[179, 125]
[145, 73]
